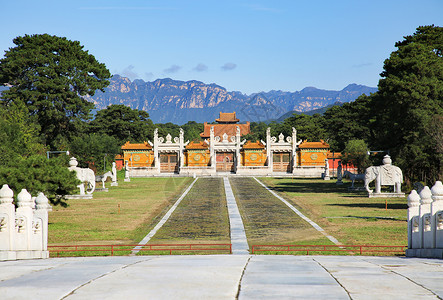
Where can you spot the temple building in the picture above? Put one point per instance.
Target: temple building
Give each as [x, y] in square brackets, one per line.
[226, 123]
[222, 150]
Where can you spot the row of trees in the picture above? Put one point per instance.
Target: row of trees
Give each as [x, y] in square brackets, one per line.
[45, 109]
[404, 117]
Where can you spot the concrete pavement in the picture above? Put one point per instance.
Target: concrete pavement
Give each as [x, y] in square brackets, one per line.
[222, 277]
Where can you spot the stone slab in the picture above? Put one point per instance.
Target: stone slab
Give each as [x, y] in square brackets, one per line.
[222, 277]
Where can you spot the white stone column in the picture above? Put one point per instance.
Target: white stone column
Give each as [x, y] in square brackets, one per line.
[156, 157]
[269, 148]
[413, 220]
[7, 222]
[437, 214]
[237, 148]
[426, 235]
[211, 148]
[41, 215]
[294, 148]
[181, 148]
[23, 221]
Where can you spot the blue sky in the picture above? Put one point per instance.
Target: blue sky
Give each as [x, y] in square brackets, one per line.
[247, 46]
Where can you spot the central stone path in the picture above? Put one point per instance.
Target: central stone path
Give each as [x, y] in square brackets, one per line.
[238, 235]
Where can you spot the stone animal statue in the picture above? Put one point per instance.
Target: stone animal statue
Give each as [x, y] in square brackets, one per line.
[85, 175]
[103, 178]
[386, 174]
[354, 177]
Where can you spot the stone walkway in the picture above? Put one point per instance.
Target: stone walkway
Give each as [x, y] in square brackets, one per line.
[222, 277]
[238, 235]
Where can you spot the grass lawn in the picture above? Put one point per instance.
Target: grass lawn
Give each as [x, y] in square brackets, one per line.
[125, 214]
[268, 220]
[352, 218]
[201, 217]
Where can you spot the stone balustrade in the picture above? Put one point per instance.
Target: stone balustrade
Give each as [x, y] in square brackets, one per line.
[23, 230]
[425, 222]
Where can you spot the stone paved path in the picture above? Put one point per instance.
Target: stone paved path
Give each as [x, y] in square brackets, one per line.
[222, 277]
[238, 235]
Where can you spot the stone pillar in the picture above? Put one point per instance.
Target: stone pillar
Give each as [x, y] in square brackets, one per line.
[437, 214]
[181, 149]
[237, 148]
[7, 223]
[211, 148]
[41, 216]
[413, 220]
[127, 179]
[114, 175]
[23, 222]
[269, 148]
[294, 148]
[156, 157]
[426, 235]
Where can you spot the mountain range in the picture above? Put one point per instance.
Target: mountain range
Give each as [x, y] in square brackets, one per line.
[168, 100]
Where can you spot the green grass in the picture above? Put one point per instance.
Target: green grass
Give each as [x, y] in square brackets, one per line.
[125, 214]
[352, 218]
[201, 217]
[268, 220]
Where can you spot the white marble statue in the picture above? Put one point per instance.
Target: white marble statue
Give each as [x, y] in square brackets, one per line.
[387, 174]
[114, 175]
[85, 175]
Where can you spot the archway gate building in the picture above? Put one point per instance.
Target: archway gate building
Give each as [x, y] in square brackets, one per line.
[226, 154]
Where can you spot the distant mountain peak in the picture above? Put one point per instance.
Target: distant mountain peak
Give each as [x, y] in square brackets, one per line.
[170, 100]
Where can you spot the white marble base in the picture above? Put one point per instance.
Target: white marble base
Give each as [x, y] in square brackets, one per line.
[425, 253]
[86, 196]
[23, 254]
[114, 183]
[127, 180]
[386, 195]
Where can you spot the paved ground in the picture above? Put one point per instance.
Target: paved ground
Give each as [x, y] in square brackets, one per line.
[222, 277]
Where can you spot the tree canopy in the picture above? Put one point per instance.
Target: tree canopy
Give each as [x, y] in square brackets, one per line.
[51, 75]
[123, 123]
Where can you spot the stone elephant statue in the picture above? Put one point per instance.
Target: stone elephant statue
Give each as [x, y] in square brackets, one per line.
[384, 175]
[85, 175]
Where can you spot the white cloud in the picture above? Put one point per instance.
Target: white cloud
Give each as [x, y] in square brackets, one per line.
[201, 67]
[172, 69]
[228, 66]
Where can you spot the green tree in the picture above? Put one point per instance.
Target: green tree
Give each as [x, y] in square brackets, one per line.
[95, 150]
[51, 75]
[349, 121]
[356, 153]
[123, 123]
[38, 174]
[308, 127]
[192, 131]
[410, 96]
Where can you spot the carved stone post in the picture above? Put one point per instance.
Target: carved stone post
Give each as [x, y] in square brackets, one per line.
[156, 157]
[23, 222]
[437, 214]
[237, 148]
[40, 227]
[7, 222]
[269, 148]
[426, 235]
[294, 149]
[413, 220]
[182, 149]
[211, 148]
